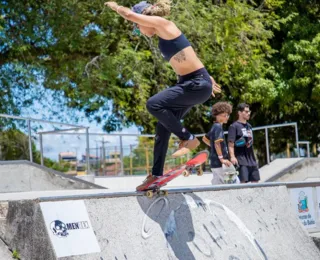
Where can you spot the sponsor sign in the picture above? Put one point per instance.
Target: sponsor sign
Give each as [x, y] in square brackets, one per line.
[303, 205]
[69, 228]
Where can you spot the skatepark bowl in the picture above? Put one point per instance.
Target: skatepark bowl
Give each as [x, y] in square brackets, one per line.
[63, 218]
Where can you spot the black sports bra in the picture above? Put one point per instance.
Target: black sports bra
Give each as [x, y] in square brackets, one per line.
[170, 48]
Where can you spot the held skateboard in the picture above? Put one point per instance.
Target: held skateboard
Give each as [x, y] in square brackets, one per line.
[230, 174]
[194, 165]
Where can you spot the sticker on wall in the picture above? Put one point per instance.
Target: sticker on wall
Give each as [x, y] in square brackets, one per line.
[318, 199]
[69, 228]
[303, 205]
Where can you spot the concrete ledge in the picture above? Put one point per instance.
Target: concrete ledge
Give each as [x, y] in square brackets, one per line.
[19, 176]
[120, 183]
[244, 223]
[5, 253]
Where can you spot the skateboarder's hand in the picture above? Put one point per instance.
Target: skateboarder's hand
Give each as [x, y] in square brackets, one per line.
[234, 160]
[226, 162]
[112, 5]
[215, 87]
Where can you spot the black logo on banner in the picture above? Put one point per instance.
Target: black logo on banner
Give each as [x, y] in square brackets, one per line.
[61, 229]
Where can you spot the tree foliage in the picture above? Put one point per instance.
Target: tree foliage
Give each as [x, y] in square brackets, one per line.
[266, 53]
[14, 145]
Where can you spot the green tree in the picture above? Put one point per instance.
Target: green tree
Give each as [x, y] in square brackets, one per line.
[14, 145]
[100, 67]
[265, 53]
[297, 63]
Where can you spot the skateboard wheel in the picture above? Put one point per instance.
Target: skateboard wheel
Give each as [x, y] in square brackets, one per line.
[149, 193]
[163, 193]
[200, 171]
[186, 173]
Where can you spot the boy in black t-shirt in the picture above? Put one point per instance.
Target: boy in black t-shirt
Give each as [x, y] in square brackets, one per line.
[240, 141]
[215, 139]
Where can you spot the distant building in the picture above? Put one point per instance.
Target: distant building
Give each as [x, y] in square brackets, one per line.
[81, 169]
[93, 159]
[71, 158]
[113, 157]
[67, 157]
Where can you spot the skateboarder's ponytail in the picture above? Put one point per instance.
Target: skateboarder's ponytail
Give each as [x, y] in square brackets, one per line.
[160, 8]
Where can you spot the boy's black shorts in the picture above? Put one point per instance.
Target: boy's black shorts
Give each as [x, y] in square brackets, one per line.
[249, 173]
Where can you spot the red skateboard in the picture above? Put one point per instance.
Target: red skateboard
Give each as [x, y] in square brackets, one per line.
[194, 165]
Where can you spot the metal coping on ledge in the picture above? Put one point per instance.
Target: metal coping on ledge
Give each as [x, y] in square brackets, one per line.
[174, 190]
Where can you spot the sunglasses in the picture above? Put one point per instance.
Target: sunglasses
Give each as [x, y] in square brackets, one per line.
[224, 115]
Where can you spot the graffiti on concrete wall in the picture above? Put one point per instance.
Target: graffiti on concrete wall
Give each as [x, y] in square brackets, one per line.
[190, 224]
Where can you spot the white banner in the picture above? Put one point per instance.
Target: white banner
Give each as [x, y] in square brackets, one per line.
[303, 205]
[318, 199]
[69, 228]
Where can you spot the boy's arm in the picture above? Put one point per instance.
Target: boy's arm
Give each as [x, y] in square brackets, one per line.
[207, 137]
[206, 140]
[233, 159]
[231, 140]
[217, 146]
[217, 137]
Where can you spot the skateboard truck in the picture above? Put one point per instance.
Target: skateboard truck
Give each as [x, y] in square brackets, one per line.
[151, 193]
[193, 169]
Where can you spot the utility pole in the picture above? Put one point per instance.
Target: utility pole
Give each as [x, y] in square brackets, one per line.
[103, 153]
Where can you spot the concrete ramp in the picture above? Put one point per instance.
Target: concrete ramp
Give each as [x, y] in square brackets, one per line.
[240, 223]
[307, 169]
[277, 168]
[21, 176]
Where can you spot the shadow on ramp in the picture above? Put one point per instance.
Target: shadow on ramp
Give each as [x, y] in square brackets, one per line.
[174, 218]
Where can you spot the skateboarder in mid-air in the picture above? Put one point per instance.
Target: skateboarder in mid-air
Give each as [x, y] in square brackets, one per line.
[215, 139]
[194, 85]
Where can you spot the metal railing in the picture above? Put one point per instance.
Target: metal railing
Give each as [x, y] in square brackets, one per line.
[74, 127]
[266, 130]
[29, 120]
[308, 147]
[277, 126]
[121, 147]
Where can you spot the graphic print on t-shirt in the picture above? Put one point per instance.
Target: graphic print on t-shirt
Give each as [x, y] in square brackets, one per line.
[247, 133]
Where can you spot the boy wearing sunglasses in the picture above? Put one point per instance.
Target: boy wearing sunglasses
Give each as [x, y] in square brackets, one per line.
[240, 141]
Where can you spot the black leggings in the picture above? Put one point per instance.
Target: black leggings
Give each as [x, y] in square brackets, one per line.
[170, 106]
